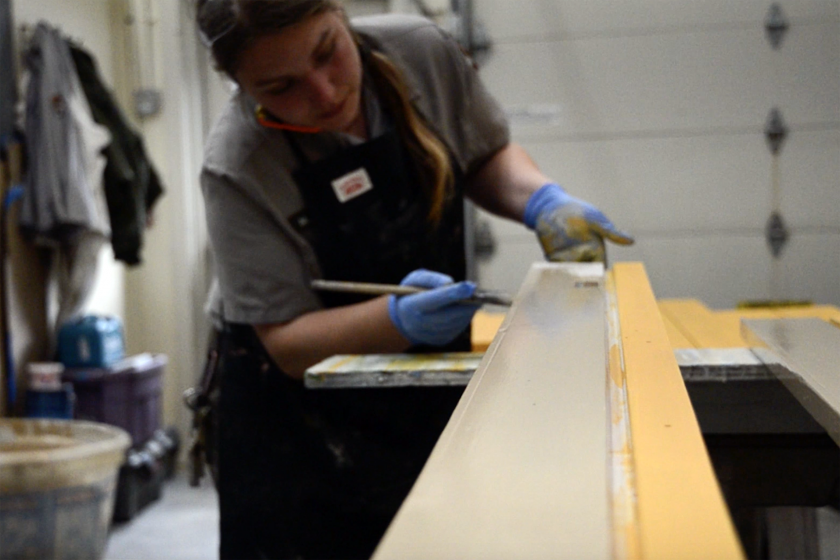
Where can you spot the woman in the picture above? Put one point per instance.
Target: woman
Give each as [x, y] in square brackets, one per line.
[346, 154]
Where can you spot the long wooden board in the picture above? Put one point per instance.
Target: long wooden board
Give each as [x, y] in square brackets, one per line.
[521, 470]
[681, 511]
[690, 324]
[805, 356]
[392, 370]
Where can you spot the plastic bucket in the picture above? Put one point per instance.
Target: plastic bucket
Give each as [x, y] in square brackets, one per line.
[57, 481]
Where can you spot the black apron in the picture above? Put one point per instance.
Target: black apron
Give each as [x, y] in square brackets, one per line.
[321, 473]
[382, 234]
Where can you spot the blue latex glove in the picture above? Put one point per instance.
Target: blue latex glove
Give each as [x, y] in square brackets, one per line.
[570, 229]
[435, 316]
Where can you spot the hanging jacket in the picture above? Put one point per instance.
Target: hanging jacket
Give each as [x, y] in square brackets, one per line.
[63, 204]
[132, 186]
[62, 194]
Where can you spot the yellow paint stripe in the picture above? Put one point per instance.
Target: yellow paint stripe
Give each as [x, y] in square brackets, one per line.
[681, 510]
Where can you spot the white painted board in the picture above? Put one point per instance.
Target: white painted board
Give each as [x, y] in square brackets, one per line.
[808, 351]
[521, 470]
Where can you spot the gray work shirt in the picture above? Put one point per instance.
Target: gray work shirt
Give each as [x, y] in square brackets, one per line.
[263, 266]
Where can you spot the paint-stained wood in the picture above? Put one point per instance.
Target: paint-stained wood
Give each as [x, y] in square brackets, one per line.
[392, 370]
[681, 511]
[625, 522]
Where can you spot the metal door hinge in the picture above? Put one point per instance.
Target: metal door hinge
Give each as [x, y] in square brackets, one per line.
[777, 234]
[775, 130]
[776, 25]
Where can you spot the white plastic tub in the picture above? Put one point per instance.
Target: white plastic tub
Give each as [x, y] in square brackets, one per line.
[57, 481]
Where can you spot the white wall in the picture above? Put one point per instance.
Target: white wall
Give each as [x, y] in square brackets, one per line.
[161, 300]
[165, 296]
[654, 111]
[88, 23]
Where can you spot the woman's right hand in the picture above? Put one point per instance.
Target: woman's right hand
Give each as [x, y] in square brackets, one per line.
[436, 316]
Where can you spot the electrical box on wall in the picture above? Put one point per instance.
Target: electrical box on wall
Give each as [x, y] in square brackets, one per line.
[142, 19]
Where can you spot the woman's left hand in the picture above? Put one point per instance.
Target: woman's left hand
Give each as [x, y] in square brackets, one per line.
[570, 229]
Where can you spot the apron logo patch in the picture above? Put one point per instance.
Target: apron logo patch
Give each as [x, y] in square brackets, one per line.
[355, 183]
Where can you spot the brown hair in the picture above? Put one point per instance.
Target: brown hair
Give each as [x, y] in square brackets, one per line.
[229, 27]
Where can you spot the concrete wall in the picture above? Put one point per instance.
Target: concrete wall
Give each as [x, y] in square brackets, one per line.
[655, 111]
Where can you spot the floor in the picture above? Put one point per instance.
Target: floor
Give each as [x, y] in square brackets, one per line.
[829, 530]
[184, 525]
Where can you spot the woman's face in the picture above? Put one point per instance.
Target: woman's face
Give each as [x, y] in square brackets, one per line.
[308, 74]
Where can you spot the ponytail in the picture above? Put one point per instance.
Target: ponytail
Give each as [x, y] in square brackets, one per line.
[424, 146]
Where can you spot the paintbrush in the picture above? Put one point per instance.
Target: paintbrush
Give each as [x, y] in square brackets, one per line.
[479, 296]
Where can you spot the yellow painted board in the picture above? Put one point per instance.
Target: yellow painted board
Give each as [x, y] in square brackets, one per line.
[688, 323]
[722, 329]
[728, 326]
[700, 325]
[827, 313]
[675, 335]
[683, 306]
[484, 327]
[728, 322]
[681, 511]
[680, 311]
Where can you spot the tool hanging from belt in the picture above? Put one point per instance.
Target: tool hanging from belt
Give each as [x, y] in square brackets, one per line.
[202, 400]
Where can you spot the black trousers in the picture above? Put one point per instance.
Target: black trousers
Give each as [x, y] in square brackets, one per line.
[315, 473]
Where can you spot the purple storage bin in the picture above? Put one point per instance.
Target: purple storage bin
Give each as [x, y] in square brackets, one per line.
[127, 394]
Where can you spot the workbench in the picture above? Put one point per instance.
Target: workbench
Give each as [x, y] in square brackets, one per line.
[601, 423]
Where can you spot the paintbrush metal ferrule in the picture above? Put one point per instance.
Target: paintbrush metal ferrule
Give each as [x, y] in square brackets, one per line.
[479, 296]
